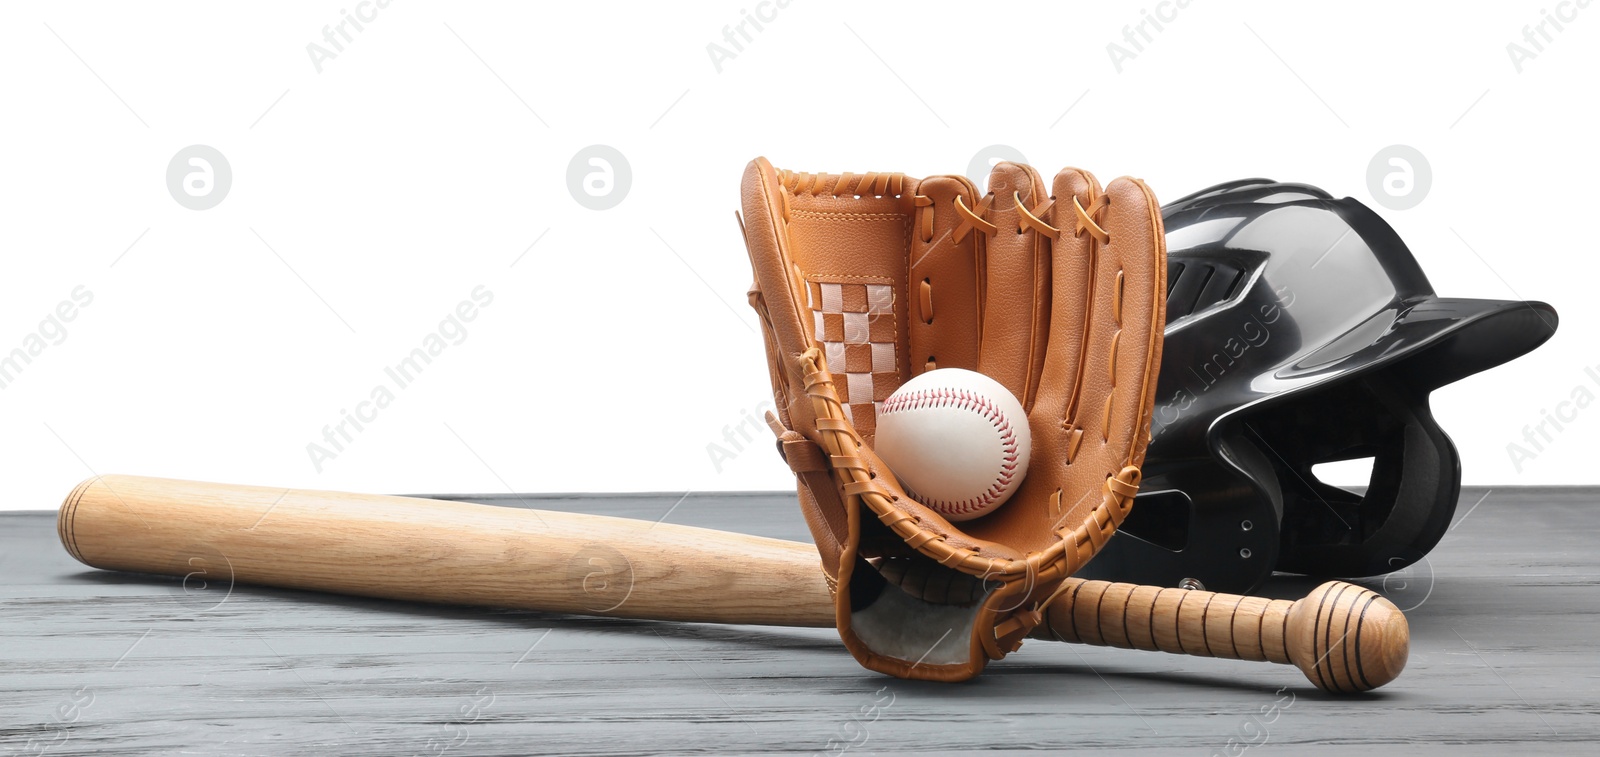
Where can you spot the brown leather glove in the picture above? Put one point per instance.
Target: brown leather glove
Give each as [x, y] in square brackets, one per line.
[865, 280]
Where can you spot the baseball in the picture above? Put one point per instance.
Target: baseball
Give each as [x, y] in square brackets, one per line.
[957, 440]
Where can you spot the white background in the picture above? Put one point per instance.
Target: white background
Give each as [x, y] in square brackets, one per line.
[422, 161]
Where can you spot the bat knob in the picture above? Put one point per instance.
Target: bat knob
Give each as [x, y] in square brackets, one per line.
[1347, 639]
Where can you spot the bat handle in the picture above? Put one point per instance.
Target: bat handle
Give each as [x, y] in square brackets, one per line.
[1343, 637]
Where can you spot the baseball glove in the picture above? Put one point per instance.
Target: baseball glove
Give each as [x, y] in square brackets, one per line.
[865, 280]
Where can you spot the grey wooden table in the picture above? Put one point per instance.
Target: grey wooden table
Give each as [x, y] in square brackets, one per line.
[1503, 661]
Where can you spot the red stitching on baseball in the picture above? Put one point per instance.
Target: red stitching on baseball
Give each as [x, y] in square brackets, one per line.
[965, 400]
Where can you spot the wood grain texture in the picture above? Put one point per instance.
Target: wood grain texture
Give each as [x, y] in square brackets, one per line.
[1503, 661]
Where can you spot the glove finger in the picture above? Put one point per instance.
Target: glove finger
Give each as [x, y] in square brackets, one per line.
[942, 301]
[1016, 276]
[1123, 332]
[1137, 247]
[1055, 422]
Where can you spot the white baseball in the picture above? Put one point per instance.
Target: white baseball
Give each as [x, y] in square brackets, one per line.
[957, 440]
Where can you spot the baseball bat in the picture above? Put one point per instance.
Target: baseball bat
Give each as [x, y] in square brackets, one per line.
[1344, 638]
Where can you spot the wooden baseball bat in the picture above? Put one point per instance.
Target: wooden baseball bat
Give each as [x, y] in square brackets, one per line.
[1343, 637]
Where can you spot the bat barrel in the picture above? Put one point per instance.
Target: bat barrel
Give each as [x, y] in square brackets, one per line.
[416, 549]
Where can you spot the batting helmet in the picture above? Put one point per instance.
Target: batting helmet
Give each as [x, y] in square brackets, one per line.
[1300, 330]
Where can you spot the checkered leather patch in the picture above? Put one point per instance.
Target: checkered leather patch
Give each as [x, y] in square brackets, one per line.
[855, 325]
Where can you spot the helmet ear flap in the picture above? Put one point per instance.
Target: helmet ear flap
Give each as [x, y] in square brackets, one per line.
[1259, 507]
[1406, 507]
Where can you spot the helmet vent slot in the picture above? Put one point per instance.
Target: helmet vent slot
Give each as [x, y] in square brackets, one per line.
[1195, 286]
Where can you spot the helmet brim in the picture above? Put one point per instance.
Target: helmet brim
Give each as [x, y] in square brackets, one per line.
[1440, 340]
